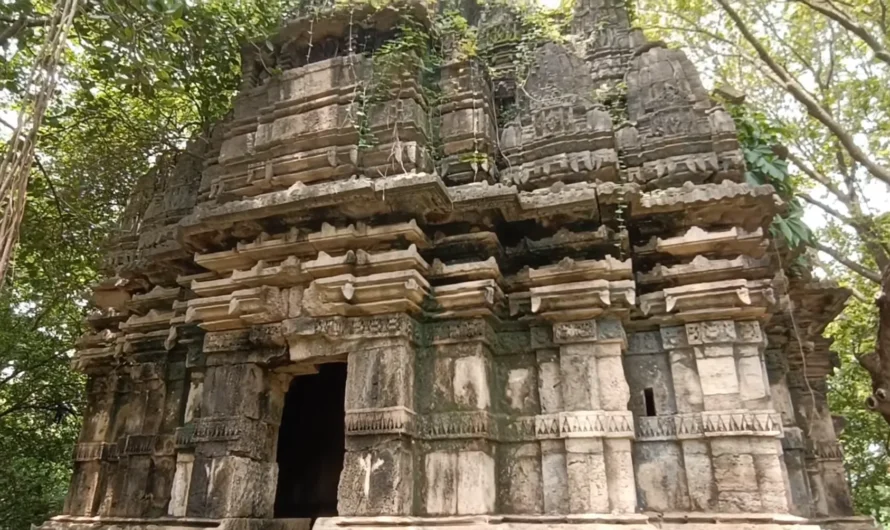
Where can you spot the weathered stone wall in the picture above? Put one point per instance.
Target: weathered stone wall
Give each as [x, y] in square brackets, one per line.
[568, 312]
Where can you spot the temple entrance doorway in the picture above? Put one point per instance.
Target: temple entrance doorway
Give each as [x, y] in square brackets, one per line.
[311, 444]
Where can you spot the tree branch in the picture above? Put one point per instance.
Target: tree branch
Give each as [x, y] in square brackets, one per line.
[818, 177]
[824, 207]
[843, 260]
[850, 25]
[813, 107]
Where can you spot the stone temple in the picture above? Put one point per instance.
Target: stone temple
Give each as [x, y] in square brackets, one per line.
[467, 295]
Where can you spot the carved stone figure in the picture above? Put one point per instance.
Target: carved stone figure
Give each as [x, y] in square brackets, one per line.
[361, 307]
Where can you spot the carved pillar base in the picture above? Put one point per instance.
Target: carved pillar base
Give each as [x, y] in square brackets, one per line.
[379, 472]
[596, 424]
[726, 423]
[459, 454]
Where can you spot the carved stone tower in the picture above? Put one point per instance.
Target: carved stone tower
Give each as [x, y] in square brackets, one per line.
[523, 284]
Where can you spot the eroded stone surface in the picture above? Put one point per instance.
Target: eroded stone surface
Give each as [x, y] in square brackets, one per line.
[564, 316]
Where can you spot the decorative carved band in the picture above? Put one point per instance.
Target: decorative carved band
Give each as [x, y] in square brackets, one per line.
[84, 452]
[346, 328]
[394, 420]
[712, 332]
[709, 424]
[584, 424]
[604, 329]
[459, 425]
[481, 424]
[222, 429]
[823, 451]
[138, 445]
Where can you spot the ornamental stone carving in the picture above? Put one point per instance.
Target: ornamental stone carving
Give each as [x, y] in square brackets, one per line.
[525, 287]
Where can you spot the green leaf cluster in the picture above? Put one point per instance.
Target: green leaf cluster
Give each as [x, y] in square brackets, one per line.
[141, 78]
[760, 140]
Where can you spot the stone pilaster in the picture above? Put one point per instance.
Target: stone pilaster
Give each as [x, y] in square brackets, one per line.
[459, 461]
[659, 460]
[793, 442]
[225, 464]
[596, 424]
[94, 456]
[516, 402]
[824, 459]
[554, 472]
[725, 415]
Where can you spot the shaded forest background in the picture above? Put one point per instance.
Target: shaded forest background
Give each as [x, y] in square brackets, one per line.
[143, 76]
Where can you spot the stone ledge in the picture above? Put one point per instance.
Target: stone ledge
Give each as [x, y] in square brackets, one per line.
[648, 521]
[653, 521]
[71, 522]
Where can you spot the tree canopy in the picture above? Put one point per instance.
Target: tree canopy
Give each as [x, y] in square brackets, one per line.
[140, 78]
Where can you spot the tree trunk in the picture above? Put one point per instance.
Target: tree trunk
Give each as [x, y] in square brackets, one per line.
[878, 363]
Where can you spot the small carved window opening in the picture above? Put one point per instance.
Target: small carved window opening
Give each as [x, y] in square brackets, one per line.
[649, 400]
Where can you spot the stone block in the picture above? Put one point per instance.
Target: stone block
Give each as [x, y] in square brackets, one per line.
[549, 387]
[718, 376]
[471, 389]
[752, 379]
[739, 502]
[699, 473]
[586, 474]
[620, 475]
[85, 486]
[440, 477]
[687, 385]
[735, 472]
[554, 476]
[443, 381]
[520, 483]
[241, 487]
[521, 390]
[476, 490]
[234, 390]
[836, 489]
[378, 480]
[772, 481]
[378, 378]
[614, 392]
[182, 477]
[193, 402]
[661, 476]
[578, 382]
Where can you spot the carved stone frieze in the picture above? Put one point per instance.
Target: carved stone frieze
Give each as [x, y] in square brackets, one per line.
[355, 328]
[709, 424]
[459, 425]
[712, 332]
[394, 420]
[104, 451]
[584, 424]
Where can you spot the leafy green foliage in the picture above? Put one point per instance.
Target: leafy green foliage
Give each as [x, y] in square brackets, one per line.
[866, 438]
[142, 77]
[760, 142]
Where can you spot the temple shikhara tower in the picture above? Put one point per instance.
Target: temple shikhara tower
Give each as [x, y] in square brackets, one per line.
[444, 275]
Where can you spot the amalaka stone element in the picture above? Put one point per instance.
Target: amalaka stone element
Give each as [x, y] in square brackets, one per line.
[519, 293]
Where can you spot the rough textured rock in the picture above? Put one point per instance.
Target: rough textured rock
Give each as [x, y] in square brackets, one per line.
[562, 320]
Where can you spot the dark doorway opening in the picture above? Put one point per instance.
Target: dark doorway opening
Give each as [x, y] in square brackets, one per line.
[311, 444]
